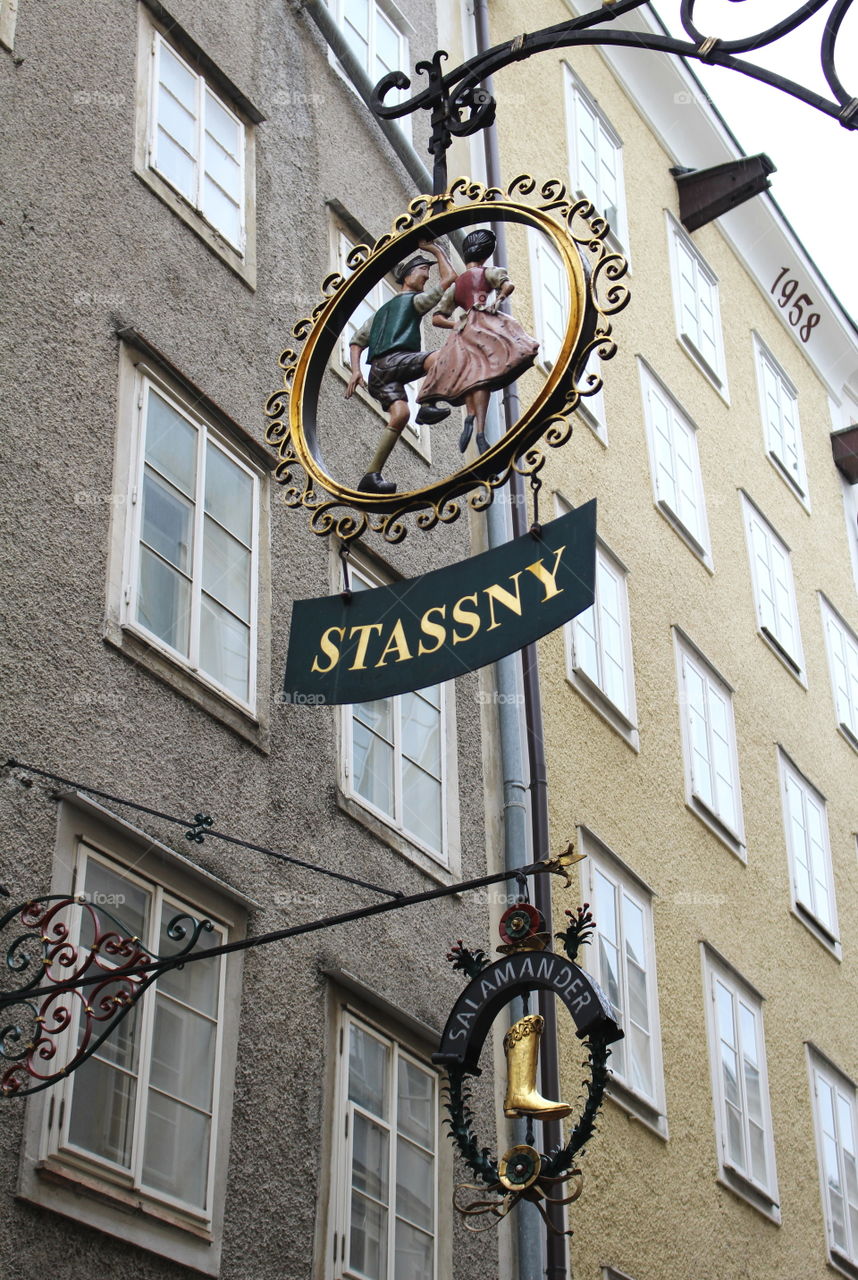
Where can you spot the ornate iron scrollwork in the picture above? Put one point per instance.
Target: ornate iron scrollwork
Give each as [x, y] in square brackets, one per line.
[51, 1037]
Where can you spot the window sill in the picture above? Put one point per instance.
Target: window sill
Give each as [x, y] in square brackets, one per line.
[785, 658]
[841, 1264]
[846, 732]
[791, 483]
[183, 681]
[243, 265]
[748, 1191]
[685, 534]
[710, 819]
[121, 1213]
[637, 1107]
[718, 384]
[611, 714]
[414, 854]
[421, 444]
[823, 936]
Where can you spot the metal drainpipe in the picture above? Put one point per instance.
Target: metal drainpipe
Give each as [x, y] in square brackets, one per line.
[552, 1129]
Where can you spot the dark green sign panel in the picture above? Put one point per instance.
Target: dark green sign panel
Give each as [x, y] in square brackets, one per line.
[422, 631]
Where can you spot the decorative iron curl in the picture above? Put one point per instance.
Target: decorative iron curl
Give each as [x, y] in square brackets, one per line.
[32, 1042]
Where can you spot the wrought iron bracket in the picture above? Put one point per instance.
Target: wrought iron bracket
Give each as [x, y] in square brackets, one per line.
[459, 105]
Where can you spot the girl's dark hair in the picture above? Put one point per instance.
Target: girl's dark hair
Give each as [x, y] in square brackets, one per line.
[478, 245]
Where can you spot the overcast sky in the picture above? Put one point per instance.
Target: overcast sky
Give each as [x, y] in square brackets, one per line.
[816, 158]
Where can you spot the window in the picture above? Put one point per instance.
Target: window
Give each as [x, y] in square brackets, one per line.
[600, 648]
[779, 409]
[8, 14]
[774, 591]
[675, 465]
[740, 1085]
[806, 826]
[834, 1107]
[842, 646]
[709, 741]
[367, 307]
[399, 763]
[385, 1168]
[595, 157]
[695, 296]
[375, 34]
[592, 407]
[135, 1142]
[195, 143]
[550, 299]
[192, 581]
[623, 959]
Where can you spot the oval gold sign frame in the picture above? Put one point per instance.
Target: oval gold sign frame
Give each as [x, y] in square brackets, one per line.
[577, 234]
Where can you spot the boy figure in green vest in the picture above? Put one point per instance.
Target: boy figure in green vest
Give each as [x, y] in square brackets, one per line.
[393, 338]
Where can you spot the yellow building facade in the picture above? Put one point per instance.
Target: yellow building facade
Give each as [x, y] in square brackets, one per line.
[701, 721]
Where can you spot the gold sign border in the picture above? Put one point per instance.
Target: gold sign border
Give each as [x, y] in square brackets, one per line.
[594, 274]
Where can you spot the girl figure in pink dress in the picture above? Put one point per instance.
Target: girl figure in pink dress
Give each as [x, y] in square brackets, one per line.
[487, 350]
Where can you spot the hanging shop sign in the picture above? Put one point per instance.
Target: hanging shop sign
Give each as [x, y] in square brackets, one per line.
[528, 964]
[484, 350]
[363, 645]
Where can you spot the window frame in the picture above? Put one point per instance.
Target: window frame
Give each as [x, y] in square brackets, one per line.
[148, 380]
[763, 1196]
[8, 18]
[77, 1184]
[539, 248]
[732, 834]
[833, 621]
[622, 719]
[651, 1109]
[678, 421]
[579, 100]
[152, 33]
[819, 1065]
[678, 242]
[343, 1128]
[765, 362]
[404, 30]
[753, 517]
[443, 864]
[807, 912]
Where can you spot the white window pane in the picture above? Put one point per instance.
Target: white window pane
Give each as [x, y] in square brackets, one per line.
[176, 166]
[372, 760]
[224, 647]
[229, 494]
[415, 1185]
[181, 82]
[226, 570]
[377, 716]
[222, 126]
[368, 1238]
[176, 121]
[586, 650]
[386, 45]
[640, 1053]
[368, 1059]
[416, 1104]
[122, 898]
[421, 805]
[222, 211]
[421, 733]
[102, 1117]
[164, 601]
[167, 522]
[735, 1137]
[414, 1253]
[171, 443]
[223, 169]
[196, 984]
[183, 1054]
[176, 1149]
[370, 1157]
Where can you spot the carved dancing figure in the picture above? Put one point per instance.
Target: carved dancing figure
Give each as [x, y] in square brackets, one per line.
[393, 338]
[487, 349]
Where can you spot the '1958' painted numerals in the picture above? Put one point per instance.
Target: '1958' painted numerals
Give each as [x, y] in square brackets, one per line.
[804, 323]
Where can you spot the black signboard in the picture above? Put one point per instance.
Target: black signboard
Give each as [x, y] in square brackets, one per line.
[421, 631]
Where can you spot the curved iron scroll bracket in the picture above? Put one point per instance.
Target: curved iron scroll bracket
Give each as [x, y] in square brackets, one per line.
[460, 106]
[60, 940]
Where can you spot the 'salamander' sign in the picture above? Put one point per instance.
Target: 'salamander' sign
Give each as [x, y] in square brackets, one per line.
[422, 631]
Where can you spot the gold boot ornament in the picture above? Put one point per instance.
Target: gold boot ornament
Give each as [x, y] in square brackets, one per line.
[521, 1046]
